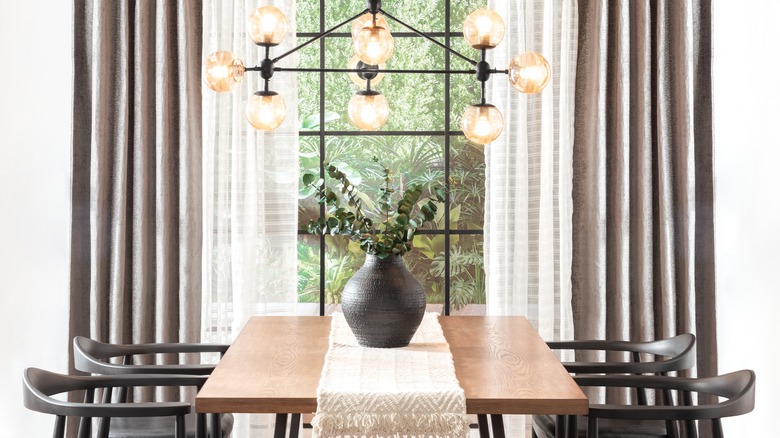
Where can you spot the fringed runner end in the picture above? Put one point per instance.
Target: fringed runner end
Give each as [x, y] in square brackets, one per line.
[440, 425]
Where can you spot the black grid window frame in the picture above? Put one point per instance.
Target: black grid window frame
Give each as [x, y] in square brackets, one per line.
[447, 133]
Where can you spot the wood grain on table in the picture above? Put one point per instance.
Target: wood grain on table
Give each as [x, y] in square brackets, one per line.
[503, 365]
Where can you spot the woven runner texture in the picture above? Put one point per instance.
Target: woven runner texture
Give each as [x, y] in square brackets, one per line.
[390, 392]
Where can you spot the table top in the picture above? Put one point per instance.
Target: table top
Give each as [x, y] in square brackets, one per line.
[503, 365]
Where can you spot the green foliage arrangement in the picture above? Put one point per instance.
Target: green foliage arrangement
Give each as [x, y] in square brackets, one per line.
[345, 215]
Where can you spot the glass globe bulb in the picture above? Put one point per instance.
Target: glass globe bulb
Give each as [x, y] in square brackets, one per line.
[373, 45]
[267, 26]
[266, 110]
[222, 71]
[367, 19]
[483, 29]
[529, 72]
[360, 82]
[368, 110]
[482, 123]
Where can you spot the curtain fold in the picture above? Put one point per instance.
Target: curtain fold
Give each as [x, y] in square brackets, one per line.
[529, 168]
[136, 171]
[643, 258]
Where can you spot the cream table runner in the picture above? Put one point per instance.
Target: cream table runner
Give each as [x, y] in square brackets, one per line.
[390, 392]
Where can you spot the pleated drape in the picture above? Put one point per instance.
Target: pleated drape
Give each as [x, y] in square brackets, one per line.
[136, 185]
[643, 250]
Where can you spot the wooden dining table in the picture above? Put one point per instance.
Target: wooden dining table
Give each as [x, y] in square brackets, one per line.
[502, 363]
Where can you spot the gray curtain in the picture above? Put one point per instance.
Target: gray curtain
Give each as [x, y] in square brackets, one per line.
[643, 250]
[136, 178]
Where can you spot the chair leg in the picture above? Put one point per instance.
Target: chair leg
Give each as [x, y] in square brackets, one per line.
[280, 427]
[593, 427]
[59, 427]
[295, 425]
[484, 429]
[181, 429]
[717, 428]
[85, 427]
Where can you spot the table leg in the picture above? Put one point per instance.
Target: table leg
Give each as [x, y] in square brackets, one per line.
[280, 428]
[295, 425]
[560, 426]
[571, 428]
[484, 429]
[497, 421]
[215, 426]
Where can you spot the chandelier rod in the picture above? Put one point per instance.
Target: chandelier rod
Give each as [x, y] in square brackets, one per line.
[433, 40]
[360, 70]
[320, 36]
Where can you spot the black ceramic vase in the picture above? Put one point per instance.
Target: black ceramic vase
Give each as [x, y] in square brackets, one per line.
[383, 303]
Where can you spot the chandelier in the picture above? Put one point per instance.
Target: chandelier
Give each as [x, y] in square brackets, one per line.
[373, 45]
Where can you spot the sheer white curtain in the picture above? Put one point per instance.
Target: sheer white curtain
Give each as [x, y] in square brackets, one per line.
[528, 176]
[250, 185]
[528, 203]
[250, 190]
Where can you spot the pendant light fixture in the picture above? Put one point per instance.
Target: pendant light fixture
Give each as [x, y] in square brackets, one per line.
[373, 44]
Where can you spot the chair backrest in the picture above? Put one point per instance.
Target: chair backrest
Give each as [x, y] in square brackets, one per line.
[679, 354]
[94, 357]
[39, 386]
[737, 388]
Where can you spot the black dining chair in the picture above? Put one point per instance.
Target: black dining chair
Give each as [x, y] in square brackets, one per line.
[40, 385]
[667, 355]
[95, 357]
[737, 390]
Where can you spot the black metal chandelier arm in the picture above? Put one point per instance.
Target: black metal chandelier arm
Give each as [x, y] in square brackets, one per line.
[319, 36]
[357, 70]
[433, 40]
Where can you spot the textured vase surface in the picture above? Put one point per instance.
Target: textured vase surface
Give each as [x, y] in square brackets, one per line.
[383, 303]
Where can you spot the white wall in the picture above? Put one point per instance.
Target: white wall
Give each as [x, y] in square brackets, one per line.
[35, 113]
[747, 199]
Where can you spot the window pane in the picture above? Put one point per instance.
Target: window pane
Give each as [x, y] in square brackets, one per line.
[460, 9]
[308, 268]
[413, 12]
[309, 162]
[308, 87]
[467, 275]
[307, 16]
[416, 100]
[343, 258]
[411, 160]
[420, 261]
[467, 184]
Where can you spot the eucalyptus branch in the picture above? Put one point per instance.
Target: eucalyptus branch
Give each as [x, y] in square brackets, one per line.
[399, 226]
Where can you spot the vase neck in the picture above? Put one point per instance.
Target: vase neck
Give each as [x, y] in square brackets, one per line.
[391, 260]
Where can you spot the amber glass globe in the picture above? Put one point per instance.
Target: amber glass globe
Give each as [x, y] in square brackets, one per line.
[483, 29]
[265, 110]
[367, 19]
[373, 44]
[267, 26]
[353, 64]
[529, 72]
[482, 123]
[222, 71]
[368, 110]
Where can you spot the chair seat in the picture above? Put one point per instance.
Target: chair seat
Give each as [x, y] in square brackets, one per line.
[159, 427]
[544, 426]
